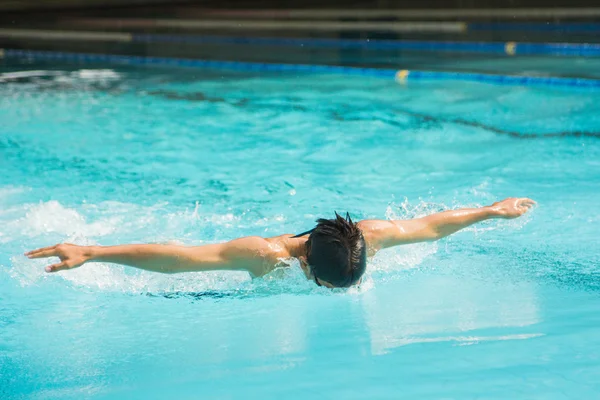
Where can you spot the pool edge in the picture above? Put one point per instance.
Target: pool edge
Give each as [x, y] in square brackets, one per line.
[402, 76]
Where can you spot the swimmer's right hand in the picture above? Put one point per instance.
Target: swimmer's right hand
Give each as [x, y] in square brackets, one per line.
[70, 255]
[512, 207]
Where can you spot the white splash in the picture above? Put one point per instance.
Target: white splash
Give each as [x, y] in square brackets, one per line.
[27, 74]
[97, 74]
[52, 217]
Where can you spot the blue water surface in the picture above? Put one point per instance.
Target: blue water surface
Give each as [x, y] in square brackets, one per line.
[505, 309]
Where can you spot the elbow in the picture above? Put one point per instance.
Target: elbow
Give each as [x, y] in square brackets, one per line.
[440, 235]
[432, 235]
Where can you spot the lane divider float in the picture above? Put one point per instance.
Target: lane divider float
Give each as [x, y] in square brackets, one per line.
[402, 76]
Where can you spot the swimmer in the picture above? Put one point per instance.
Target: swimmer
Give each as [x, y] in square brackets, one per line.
[332, 254]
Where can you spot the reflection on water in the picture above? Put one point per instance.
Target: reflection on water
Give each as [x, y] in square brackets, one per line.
[447, 308]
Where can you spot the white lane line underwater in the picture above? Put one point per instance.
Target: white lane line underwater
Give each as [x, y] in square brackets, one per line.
[402, 76]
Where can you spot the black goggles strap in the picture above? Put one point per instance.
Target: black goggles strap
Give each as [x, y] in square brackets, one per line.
[304, 233]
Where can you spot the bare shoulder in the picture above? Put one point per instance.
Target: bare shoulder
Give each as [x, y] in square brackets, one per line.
[281, 246]
[376, 232]
[262, 255]
[373, 229]
[251, 246]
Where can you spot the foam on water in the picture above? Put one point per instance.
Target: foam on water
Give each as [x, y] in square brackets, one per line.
[87, 74]
[97, 74]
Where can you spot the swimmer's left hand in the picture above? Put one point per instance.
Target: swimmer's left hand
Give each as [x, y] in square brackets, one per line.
[512, 207]
[70, 255]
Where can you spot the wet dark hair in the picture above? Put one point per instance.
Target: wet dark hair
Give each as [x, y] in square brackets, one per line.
[336, 251]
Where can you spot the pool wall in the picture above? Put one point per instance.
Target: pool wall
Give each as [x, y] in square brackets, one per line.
[503, 46]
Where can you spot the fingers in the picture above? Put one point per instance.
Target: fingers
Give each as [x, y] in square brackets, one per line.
[52, 251]
[57, 267]
[527, 202]
[42, 253]
[41, 249]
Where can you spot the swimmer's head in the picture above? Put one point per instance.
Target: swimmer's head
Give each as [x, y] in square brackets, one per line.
[336, 253]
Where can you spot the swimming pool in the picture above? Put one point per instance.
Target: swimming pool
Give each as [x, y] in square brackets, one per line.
[507, 309]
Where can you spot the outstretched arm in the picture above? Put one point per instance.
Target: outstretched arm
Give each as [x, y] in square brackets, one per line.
[251, 254]
[380, 234]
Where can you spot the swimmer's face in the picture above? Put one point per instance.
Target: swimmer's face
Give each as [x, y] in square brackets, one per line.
[311, 277]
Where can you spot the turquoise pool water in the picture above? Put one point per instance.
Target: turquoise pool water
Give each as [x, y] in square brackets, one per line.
[506, 309]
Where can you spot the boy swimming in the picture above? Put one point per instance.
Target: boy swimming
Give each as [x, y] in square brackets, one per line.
[333, 254]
